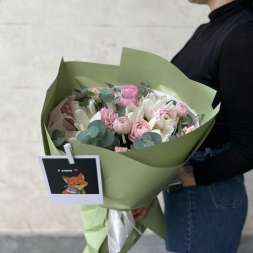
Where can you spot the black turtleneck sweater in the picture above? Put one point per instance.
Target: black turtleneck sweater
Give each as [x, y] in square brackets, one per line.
[220, 55]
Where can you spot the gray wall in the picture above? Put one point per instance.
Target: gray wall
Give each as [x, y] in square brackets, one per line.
[34, 35]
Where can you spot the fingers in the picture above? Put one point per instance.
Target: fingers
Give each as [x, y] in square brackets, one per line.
[140, 213]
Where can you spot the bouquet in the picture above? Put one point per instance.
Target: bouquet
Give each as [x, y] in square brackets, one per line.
[120, 118]
[153, 120]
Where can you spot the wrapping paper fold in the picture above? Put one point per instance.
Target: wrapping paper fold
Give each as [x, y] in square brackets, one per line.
[132, 179]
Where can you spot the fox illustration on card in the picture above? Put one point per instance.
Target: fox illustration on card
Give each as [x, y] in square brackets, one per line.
[75, 184]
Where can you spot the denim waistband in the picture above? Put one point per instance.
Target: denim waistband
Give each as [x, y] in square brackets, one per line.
[201, 155]
[214, 149]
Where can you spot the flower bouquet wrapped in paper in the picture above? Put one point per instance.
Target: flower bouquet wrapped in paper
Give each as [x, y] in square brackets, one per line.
[157, 120]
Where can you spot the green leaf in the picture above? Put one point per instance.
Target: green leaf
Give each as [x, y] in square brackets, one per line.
[104, 105]
[108, 98]
[84, 90]
[122, 111]
[149, 144]
[58, 141]
[84, 103]
[83, 99]
[92, 142]
[104, 91]
[146, 137]
[117, 90]
[191, 114]
[109, 85]
[189, 119]
[93, 131]
[138, 143]
[156, 138]
[107, 139]
[115, 143]
[83, 137]
[141, 89]
[145, 83]
[173, 101]
[179, 128]
[172, 137]
[57, 134]
[89, 93]
[101, 128]
[76, 90]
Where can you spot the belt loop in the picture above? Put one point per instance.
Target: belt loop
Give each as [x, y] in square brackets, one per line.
[209, 151]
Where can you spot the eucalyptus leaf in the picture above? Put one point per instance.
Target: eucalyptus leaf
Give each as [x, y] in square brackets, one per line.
[189, 119]
[76, 90]
[57, 134]
[101, 128]
[103, 105]
[191, 115]
[146, 137]
[122, 111]
[117, 90]
[145, 83]
[84, 90]
[59, 141]
[149, 144]
[115, 143]
[141, 89]
[108, 98]
[107, 139]
[92, 142]
[93, 131]
[172, 137]
[83, 137]
[156, 138]
[109, 85]
[179, 128]
[138, 143]
[104, 90]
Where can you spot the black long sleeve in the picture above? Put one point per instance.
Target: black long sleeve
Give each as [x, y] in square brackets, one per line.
[220, 55]
[236, 90]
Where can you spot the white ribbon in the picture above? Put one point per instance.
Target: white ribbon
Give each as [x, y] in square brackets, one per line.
[119, 231]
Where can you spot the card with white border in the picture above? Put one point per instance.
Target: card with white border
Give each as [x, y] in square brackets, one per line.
[78, 183]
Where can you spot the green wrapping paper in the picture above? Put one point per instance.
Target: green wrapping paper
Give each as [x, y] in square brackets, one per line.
[132, 179]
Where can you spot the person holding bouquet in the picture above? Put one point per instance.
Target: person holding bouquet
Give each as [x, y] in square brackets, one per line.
[208, 214]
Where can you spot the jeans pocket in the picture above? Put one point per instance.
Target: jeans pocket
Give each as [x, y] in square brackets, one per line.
[229, 193]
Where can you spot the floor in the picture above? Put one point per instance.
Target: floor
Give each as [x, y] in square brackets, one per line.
[64, 244]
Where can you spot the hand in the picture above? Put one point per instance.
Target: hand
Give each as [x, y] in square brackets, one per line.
[186, 179]
[140, 212]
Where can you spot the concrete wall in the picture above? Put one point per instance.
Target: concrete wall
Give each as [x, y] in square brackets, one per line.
[34, 35]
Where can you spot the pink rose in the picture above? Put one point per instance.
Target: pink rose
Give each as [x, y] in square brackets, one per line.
[139, 128]
[187, 130]
[122, 125]
[120, 149]
[96, 91]
[129, 91]
[181, 109]
[167, 116]
[126, 101]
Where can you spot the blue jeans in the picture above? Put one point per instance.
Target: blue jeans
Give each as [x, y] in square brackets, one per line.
[206, 219]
